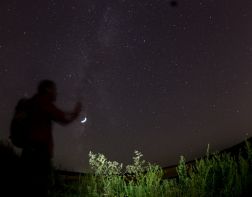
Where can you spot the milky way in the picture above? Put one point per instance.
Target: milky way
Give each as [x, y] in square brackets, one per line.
[155, 76]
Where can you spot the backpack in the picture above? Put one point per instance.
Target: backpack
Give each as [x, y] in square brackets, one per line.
[19, 128]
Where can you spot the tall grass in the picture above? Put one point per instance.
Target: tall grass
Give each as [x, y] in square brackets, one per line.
[213, 175]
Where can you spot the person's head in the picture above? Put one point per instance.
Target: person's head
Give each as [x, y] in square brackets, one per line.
[48, 88]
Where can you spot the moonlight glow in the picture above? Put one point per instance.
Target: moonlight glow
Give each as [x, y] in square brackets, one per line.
[84, 120]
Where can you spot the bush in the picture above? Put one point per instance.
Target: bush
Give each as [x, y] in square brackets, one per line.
[214, 175]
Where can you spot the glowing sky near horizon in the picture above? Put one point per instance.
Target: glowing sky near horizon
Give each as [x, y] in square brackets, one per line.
[164, 80]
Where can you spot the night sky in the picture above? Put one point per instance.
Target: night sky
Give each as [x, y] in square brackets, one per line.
[155, 76]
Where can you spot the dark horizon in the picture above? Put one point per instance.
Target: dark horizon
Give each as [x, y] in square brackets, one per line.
[170, 171]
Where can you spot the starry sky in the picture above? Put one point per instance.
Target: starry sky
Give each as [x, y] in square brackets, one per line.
[159, 77]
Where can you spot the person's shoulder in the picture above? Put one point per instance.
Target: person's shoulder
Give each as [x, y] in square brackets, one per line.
[22, 102]
[46, 105]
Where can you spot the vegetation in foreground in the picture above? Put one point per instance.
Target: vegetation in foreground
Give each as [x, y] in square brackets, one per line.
[216, 174]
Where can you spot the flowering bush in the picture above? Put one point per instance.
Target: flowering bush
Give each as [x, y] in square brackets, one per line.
[101, 166]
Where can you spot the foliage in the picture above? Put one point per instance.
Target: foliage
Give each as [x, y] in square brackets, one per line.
[216, 174]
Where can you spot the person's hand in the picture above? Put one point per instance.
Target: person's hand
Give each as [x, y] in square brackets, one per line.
[78, 107]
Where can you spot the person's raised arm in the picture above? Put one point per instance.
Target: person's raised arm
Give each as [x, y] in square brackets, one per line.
[64, 117]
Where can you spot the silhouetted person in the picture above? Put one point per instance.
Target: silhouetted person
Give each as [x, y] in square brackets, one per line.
[37, 154]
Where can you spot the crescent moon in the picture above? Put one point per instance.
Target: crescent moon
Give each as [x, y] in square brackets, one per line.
[84, 120]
